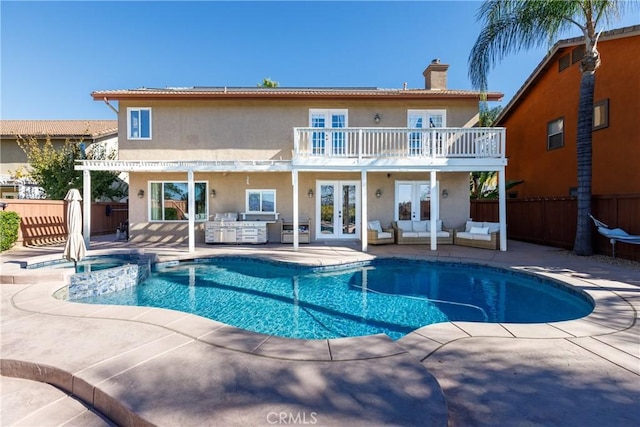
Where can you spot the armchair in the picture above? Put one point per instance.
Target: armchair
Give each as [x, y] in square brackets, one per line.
[376, 235]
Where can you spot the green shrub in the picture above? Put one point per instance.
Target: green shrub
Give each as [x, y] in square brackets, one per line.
[9, 224]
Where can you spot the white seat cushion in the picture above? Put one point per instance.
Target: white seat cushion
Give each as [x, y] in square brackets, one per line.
[419, 225]
[464, 235]
[405, 225]
[409, 234]
[424, 234]
[442, 234]
[384, 235]
[486, 237]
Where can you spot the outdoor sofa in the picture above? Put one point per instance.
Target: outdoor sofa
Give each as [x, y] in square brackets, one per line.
[485, 235]
[419, 232]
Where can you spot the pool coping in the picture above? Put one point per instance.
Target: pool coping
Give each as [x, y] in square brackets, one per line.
[38, 298]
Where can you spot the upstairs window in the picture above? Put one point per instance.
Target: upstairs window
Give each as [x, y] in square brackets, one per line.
[577, 54]
[329, 140]
[555, 134]
[564, 62]
[422, 119]
[601, 114]
[139, 123]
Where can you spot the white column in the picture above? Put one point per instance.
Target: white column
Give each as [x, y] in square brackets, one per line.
[502, 208]
[191, 194]
[296, 219]
[364, 211]
[434, 209]
[86, 201]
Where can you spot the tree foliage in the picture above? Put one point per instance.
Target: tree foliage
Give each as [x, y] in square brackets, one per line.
[267, 82]
[9, 225]
[488, 115]
[52, 168]
[509, 26]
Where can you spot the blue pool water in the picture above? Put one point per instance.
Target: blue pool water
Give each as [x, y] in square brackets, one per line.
[393, 297]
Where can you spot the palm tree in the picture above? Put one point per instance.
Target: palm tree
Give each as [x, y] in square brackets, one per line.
[512, 25]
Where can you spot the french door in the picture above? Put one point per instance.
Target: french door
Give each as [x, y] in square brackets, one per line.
[338, 209]
[330, 140]
[413, 200]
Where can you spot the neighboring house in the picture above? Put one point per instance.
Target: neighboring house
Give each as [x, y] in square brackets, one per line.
[326, 159]
[541, 120]
[13, 158]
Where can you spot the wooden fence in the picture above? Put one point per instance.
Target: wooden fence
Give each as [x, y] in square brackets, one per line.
[552, 221]
[44, 221]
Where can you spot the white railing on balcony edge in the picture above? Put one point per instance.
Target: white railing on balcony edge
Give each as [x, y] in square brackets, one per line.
[367, 143]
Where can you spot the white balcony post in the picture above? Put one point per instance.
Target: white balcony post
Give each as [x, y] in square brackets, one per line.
[364, 209]
[191, 194]
[435, 208]
[360, 136]
[296, 220]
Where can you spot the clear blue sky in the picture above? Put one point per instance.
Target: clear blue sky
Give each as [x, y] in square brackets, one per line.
[54, 54]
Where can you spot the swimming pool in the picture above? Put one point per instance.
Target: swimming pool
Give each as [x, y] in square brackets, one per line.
[388, 296]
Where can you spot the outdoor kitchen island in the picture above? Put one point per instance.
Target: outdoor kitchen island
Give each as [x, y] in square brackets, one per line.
[227, 228]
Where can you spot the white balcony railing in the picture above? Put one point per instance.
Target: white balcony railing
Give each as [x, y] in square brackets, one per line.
[372, 143]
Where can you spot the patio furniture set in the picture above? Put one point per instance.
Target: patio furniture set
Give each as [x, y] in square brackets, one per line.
[475, 234]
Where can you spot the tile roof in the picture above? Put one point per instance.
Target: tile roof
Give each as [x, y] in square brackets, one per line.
[284, 92]
[59, 128]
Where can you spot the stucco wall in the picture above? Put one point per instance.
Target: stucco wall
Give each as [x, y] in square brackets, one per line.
[257, 130]
[616, 149]
[12, 157]
[230, 197]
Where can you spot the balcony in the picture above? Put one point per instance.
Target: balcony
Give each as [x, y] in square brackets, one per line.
[398, 147]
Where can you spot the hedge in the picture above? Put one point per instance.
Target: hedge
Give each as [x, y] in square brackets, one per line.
[9, 224]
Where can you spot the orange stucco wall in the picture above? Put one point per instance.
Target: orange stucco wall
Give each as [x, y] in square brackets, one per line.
[554, 94]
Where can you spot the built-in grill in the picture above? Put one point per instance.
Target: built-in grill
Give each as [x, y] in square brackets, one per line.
[226, 228]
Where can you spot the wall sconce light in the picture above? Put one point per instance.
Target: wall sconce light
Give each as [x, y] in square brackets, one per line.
[213, 193]
[445, 193]
[140, 194]
[248, 180]
[376, 118]
[310, 193]
[378, 193]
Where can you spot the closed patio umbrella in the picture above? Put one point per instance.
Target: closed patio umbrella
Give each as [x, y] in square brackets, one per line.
[74, 249]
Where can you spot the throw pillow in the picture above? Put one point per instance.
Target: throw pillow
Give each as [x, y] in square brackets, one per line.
[479, 230]
[375, 225]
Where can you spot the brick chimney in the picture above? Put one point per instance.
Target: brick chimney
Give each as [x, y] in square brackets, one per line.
[435, 75]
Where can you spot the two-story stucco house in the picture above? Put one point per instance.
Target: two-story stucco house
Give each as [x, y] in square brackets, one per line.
[325, 161]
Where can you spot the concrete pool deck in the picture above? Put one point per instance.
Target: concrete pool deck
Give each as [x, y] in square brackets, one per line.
[142, 366]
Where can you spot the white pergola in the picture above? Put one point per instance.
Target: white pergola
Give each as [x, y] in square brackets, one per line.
[191, 167]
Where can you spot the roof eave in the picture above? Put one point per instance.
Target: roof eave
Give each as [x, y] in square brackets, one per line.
[113, 96]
